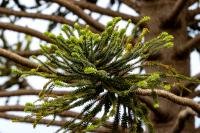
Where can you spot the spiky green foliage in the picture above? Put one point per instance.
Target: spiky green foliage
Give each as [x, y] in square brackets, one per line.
[99, 68]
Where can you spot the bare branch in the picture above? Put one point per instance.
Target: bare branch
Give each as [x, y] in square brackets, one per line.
[54, 18]
[105, 11]
[192, 85]
[26, 30]
[194, 94]
[22, 92]
[149, 103]
[68, 113]
[29, 53]
[44, 121]
[132, 4]
[194, 12]
[188, 47]
[170, 96]
[21, 60]
[176, 10]
[182, 118]
[79, 12]
[191, 2]
[11, 108]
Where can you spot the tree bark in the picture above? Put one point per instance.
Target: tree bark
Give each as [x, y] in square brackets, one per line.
[158, 11]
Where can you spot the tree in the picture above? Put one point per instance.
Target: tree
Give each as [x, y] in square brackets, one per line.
[176, 109]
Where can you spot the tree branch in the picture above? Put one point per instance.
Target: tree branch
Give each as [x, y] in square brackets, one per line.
[29, 53]
[176, 10]
[182, 118]
[192, 85]
[79, 12]
[26, 30]
[194, 12]
[54, 18]
[22, 92]
[45, 121]
[105, 11]
[170, 96]
[21, 60]
[149, 103]
[132, 5]
[191, 2]
[68, 113]
[188, 47]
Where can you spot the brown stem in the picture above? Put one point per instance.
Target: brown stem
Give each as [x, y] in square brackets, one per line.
[26, 30]
[21, 60]
[192, 86]
[105, 11]
[194, 12]
[28, 92]
[54, 18]
[132, 5]
[190, 45]
[191, 2]
[71, 114]
[29, 53]
[44, 121]
[79, 12]
[149, 103]
[176, 10]
[183, 116]
[170, 96]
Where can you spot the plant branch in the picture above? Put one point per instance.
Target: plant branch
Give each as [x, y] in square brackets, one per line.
[183, 116]
[149, 103]
[29, 53]
[170, 96]
[176, 10]
[194, 12]
[54, 18]
[22, 92]
[132, 5]
[191, 2]
[26, 30]
[68, 113]
[192, 85]
[21, 60]
[79, 12]
[105, 11]
[188, 47]
[44, 121]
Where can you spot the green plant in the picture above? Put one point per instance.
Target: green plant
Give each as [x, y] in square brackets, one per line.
[99, 68]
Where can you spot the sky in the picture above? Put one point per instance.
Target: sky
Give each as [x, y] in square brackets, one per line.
[7, 126]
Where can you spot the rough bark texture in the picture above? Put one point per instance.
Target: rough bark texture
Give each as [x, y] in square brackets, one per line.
[157, 10]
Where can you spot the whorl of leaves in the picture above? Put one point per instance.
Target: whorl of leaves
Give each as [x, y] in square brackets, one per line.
[99, 67]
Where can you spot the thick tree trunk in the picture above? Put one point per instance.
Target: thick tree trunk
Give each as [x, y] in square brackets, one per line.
[158, 11]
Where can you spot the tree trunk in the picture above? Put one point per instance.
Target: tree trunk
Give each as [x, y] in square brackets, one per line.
[158, 11]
